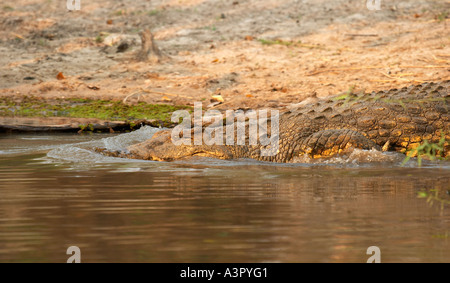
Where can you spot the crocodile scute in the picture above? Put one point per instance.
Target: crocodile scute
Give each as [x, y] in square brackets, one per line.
[395, 120]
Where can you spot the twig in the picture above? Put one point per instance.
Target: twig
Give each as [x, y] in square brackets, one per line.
[382, 81]
[18, 35]
[376, 67]
[396, 78]
[166, 93]
[221, 104]
[346, 69]
[426, 67]
[440, 60]
[365, 35]
[41, 78]
[155, 92]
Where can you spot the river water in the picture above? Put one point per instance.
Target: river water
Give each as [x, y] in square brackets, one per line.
[56, 193]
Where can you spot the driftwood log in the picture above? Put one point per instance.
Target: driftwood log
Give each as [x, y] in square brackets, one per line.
[60, 124]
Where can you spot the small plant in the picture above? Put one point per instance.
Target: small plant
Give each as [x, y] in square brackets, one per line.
[275, 42]
[431, 151]
[442, 17]
[350, 96]
[8, 8]
[153, 12]
[432, 196]
[347, 95]
[86, 128]
[43, 42]
[213, 28]
[132, 125]
[99, 39]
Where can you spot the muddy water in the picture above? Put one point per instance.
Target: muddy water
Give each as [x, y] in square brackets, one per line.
[56, 193]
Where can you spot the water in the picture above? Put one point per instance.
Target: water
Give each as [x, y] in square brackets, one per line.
[56, 193]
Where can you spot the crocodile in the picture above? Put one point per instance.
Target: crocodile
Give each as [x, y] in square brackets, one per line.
[394, 120]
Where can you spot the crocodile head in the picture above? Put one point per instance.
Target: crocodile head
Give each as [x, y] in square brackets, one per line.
[161, 148]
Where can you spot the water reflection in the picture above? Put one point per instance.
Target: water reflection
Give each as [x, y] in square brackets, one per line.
[196, 212]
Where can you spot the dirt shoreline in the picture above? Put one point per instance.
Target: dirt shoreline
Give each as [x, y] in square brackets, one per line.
[253, 53]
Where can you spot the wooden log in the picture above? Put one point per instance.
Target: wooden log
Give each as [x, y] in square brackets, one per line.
[62, 124]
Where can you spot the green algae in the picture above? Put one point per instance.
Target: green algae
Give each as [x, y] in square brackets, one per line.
[29, 106]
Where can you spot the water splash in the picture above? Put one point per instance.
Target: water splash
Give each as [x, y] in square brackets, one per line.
[356, 157]
[83, 151]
